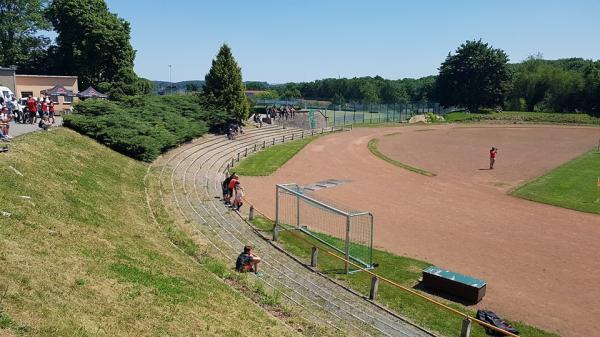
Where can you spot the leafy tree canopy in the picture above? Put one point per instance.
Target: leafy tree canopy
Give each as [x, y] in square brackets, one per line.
[20, 22]
[476, 76]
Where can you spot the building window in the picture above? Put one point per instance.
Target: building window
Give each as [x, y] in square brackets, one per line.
[55, 98]
[68, 99]
[26, 94]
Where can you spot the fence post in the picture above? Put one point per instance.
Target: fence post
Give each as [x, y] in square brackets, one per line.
[273, 140]
[275, 234]
[238, 157]
[312, 132]
[347, 252]
[302, 134]
[374, 288]
[283, 139]
[254, 147]
[313, 257]
[251, 213]
[264, 143]
[466, 328]
[246, 152]
[292, 136]
[232, 162]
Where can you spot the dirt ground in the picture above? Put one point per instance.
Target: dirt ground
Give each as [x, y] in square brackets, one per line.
[541, 262]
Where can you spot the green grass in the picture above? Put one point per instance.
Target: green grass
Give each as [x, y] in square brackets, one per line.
[81, 256]
[531, 117]
[372, 145]
[571, 185]
[269, 160]
[403, 270]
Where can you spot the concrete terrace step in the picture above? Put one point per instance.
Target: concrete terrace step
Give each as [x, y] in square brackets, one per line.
[196, 172]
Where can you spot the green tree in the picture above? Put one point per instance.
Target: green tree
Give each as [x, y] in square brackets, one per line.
[476, 76]
[20, 22]
[290, 91]
[267, 94]
[92, 43]
[223, 86]
[338, 99]
[368, 93]
[393, 92]
[191, 87]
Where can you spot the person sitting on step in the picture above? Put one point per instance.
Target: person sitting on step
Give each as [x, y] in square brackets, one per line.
[247, 261]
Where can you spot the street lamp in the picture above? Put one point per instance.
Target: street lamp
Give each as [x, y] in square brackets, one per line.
[170, 80]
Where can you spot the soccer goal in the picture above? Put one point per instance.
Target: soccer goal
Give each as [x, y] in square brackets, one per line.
[347, 232]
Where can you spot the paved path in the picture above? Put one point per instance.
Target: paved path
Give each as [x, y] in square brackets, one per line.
[190, 178]
[21, 129]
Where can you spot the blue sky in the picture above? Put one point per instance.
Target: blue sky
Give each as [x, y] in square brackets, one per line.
[283, 41]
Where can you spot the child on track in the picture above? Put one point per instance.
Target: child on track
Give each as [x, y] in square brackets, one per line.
[493, 153]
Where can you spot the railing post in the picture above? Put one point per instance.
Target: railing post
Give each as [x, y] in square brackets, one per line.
[232, 160]
[275, 233]
[313, 257]
[254, 147]
[246, 152]
[251, 213]
[374, 288]
[466, 328]
[347, 250]
[273, 140]
[283, 139]
[238, 157]
[292, 136]
[302, 134]
[264, 143]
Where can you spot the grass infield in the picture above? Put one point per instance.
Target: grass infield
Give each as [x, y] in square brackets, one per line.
[572, 185]
[269, 160]
[403, 270]
[372, 145]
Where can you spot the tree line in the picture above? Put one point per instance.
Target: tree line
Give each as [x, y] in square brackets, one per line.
[477, 76]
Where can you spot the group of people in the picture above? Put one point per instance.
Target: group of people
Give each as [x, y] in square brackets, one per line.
[284, 111]
[233, 130]
[232, 188]
[247, 261]
[40, 111]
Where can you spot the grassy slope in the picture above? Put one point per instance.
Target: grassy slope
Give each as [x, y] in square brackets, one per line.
[403, 270]
[517, 116]
[269, 160]
[79, 256]
[572, 185]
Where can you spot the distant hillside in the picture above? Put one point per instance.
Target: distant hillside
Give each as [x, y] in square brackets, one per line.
[164, 86]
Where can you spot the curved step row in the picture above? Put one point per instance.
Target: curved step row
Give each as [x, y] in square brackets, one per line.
[198, 169]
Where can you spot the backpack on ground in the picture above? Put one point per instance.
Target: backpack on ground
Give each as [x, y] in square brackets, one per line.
[493, 319]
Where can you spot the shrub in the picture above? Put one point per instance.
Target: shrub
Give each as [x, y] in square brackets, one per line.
[142, 127]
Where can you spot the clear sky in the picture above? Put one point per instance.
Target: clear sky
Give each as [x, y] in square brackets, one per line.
[287, 40]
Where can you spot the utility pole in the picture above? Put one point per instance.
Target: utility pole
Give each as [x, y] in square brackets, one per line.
[170, 79]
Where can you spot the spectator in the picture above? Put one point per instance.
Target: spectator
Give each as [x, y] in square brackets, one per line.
[247, 261]
[231, 187]
[5, 118]
[32, 108]
[51, 110]
[225, 187]
[15, 109]
[239, 194]
[45, 123]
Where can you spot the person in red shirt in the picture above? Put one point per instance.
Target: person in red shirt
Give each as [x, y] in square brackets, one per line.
[32, 109]
[44, 107]
[493, 153]
[231, 186]
[51, 109]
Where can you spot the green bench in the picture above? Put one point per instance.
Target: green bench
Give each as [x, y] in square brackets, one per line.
[459, 285]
